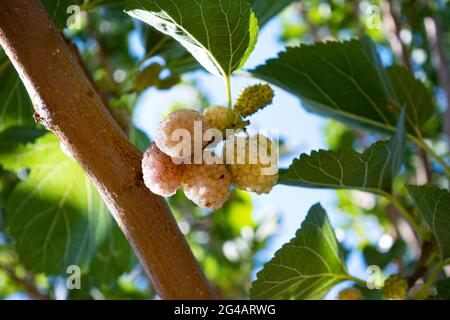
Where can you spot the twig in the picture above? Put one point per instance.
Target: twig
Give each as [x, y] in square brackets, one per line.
[312, 29]
[425, 289]
[434, 35]
[404, 212]
[392, 28]
[421, 266]
[26, 283]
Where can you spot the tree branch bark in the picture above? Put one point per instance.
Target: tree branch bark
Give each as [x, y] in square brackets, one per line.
[66, 103]
[27, 283]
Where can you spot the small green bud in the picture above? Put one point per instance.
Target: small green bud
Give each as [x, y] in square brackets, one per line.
[254, 98]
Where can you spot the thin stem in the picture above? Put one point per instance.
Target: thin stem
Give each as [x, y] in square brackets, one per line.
[229, 100]
[433, 154]
[393, 199]
[425, 289]
[27, 283]
[357, 280]
[422, 264]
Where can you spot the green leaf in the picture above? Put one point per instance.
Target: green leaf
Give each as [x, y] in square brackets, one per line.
[443, 288]
[178, 58]
[373, 256]
[233, 216]
[219, 34]
[139, 138]
[112, 259]
[55, 215]
[373, 170]
[57, 10]
[267, 9]
[15, 105]
[306, 267]
[346, 81]
[411, 92]
[434, 204]
[14, 136]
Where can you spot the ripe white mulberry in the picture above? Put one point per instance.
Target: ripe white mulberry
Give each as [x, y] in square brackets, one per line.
[161, 175]
[207, 185]
[217, 117]
[251, 169]
[180, 119]
[254, 98]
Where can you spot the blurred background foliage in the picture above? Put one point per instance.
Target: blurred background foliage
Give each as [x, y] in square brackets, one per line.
[226, 243]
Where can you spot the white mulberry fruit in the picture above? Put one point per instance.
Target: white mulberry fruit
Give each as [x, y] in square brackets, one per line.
[161, 175]
[207, 185]
[254, 98]
[217, 117]
[180, 119]
[396, 288]
[251, 169]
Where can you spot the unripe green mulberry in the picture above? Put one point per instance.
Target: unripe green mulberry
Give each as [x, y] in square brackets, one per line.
[350, 294]
[396, 288]
[254, 98]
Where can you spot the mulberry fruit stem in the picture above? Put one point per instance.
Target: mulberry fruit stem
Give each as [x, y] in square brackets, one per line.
[230, 116]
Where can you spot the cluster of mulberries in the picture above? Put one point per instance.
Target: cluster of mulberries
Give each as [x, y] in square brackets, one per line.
[165, 168]
[206, 185]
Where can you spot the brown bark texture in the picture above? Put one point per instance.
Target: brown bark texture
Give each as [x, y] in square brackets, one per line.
[66, 103]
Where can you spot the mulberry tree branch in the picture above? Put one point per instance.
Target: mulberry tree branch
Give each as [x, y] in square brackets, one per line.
[66, 103]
